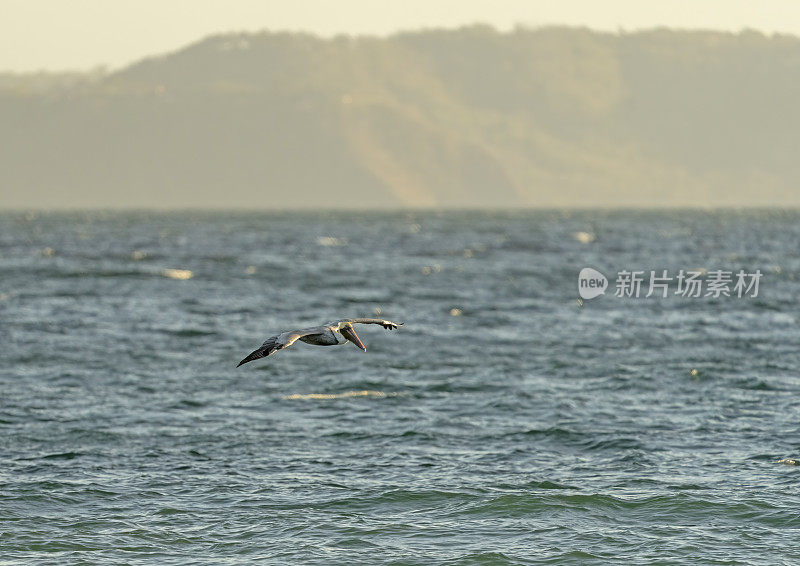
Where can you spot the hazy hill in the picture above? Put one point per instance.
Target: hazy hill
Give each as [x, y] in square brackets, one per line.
[464, 118]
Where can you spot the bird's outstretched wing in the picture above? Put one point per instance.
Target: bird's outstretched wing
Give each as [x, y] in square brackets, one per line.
[387, 324]
[275, 343]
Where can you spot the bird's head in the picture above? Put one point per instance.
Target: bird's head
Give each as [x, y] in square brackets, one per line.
[349, 333]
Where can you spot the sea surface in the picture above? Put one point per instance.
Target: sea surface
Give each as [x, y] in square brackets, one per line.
[507, 422]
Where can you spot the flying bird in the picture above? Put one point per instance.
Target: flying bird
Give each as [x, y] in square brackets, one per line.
[331, 334]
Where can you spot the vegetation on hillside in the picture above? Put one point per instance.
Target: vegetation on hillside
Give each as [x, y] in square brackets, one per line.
[463, 118]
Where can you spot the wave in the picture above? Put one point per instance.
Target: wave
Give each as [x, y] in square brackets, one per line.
[344, 395]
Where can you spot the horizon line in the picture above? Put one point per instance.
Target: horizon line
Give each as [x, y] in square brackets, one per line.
[104, 68]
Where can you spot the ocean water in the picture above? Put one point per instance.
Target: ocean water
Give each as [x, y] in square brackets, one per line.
[507, 422]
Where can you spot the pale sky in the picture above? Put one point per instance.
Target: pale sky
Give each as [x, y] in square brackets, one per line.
[83, 34]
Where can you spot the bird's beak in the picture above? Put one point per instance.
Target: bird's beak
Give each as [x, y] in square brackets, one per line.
[351, 335]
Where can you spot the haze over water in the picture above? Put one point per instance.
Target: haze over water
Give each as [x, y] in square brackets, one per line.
[505, 423]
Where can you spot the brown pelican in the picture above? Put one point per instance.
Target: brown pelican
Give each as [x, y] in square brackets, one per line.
[331, 334]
